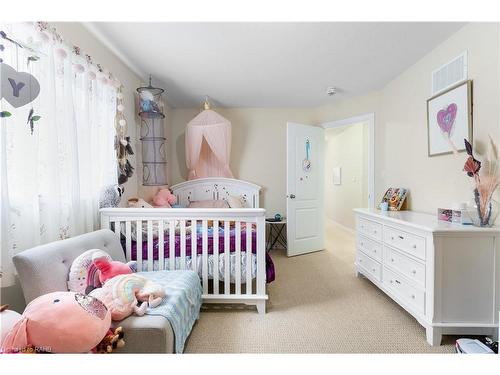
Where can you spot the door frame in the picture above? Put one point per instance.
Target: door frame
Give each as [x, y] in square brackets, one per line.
[369, 118]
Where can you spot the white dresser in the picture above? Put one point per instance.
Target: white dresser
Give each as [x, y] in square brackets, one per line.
[445, 275]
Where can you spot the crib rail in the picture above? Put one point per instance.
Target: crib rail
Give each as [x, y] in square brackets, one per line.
[234, 283]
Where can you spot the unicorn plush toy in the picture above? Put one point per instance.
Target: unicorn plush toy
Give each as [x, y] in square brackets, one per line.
[129, 294]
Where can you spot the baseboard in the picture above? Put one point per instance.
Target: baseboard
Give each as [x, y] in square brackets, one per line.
[342, 226]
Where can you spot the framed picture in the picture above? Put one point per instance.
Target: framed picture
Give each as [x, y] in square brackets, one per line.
[395, 197]
[449, 120]
[337, 176]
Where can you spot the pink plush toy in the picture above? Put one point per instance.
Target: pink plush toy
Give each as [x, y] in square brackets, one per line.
[124, 295]
[8, 319]
[59, 322]
[164, 198]
[111, 268]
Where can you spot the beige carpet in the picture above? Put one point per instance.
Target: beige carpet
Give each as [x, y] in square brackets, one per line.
[316, 305]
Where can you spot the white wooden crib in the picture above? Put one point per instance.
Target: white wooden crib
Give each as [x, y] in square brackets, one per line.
[236, 276]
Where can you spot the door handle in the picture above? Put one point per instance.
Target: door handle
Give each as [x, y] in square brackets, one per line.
[291, 196]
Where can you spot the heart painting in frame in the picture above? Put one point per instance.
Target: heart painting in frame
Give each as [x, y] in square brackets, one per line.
[449, 119]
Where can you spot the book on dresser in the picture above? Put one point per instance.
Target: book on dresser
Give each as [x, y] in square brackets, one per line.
[444, 274]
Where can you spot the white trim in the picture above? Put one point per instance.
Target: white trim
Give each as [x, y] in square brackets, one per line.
[369, 118]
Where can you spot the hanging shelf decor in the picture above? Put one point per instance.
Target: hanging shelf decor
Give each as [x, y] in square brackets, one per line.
[154, 160]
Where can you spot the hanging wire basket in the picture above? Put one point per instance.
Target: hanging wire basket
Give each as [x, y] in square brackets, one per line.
[154, 159]
[150, 101]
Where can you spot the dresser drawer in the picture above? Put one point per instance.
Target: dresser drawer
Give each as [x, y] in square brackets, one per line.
[408, 267]
[371, 266]
[410, 243]
[400, 286]
[370, 228]
[369, 247]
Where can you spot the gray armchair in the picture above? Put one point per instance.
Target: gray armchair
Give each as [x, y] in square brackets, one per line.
[44, 269]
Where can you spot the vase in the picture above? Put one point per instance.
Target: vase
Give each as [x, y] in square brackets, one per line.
[482, 217]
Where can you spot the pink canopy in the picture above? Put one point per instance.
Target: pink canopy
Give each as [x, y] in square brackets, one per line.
[208, 146]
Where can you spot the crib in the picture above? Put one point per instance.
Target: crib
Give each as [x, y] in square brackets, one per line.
[226, 246]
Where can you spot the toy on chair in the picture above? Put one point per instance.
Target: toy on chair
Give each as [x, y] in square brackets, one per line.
[123, 293]
[112, 340]
[8, 319]
[111, 268]
[59, 322]
[164, 198]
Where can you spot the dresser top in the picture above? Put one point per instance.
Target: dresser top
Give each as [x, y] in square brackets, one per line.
[422, 221]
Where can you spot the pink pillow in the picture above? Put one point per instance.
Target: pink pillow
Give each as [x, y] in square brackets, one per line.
[208, 204]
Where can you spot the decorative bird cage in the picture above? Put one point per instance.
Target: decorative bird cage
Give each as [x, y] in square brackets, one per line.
[154, 156]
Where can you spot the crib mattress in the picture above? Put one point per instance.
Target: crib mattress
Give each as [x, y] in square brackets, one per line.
[270, 271]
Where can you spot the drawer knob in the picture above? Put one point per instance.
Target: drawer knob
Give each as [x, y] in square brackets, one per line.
[414, 272]
[401, 237]
[374, 231]
[413, 296]
[391, 281]
[392, 260]
[399, 282]
[361, 261]
[414, 246]
[392, 238]
[375, 251]
[362, 243]
[373, 269]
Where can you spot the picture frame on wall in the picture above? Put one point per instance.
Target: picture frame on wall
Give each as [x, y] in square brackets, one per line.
[449, 120]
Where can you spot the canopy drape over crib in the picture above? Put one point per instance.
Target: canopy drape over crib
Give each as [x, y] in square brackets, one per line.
[208, 146]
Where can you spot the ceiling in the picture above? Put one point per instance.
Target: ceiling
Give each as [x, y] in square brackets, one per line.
[270, 64]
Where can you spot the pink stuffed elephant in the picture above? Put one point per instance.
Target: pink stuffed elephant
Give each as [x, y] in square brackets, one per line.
[164, 198]
[59, 322]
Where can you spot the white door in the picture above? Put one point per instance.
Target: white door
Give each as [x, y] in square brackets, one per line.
[305, 200]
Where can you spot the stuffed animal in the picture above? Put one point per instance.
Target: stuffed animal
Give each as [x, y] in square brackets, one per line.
[123, 293]
[164, 198]
[59, 322]
[110, 196]
[112, 340]
[8, 319]
[138, 203]
[110, 268]
[83, 275]
[148, 103]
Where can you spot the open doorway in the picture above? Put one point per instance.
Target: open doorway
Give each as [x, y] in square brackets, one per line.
[348, 181]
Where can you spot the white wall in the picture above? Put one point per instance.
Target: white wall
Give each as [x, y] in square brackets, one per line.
[401, 121]
[258, 150]
[346, 148]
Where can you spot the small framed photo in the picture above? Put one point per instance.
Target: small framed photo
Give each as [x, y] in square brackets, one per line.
[449, 120]
[337, 176]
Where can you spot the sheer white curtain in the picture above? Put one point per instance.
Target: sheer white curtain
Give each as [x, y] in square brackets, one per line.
[51, 179]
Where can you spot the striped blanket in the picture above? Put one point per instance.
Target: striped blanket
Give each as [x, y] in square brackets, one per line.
[181, 305]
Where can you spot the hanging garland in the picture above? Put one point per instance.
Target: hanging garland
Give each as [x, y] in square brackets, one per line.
[44, 34]
[122, 141]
